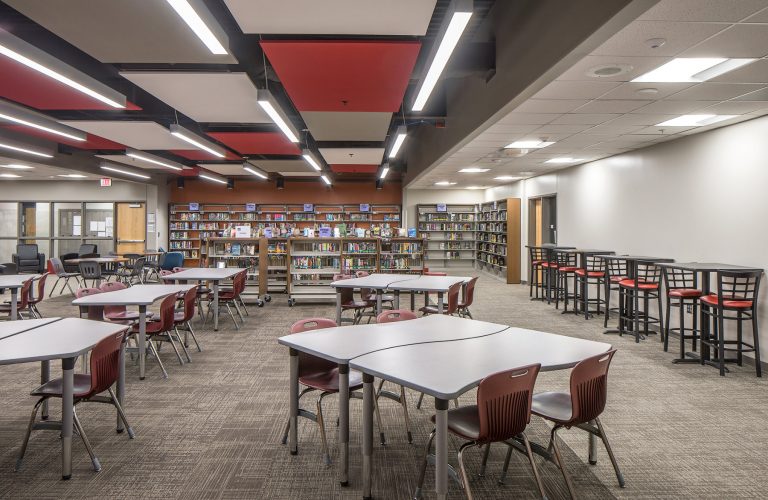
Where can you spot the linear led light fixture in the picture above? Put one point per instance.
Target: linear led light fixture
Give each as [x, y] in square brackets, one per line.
[694, 120]
[10, 176]
[156, 160]
[528, 144]
[692, 69]
[268, 103]
[20, 147]
[506, 178]
[42, 62]
[400, 135]
[197, 141]
[564, 160]
[473, 170]
[212, 178]
[198, 26]
[457, 17]
[28, 118]
[254, 170]
[445, 183]
[124, 172]
[384, 171]
[310, 158]
[326, 179]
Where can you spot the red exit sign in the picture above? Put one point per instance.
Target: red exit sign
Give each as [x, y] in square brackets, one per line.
[105, 182]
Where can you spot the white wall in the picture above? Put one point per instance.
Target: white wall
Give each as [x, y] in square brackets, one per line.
[700, 198]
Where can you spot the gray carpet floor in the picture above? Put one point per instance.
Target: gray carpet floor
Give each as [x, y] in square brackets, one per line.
[212, 430]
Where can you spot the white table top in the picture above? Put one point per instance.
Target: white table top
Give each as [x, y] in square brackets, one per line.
[429, 283]
[15, 280]
[204, 273]
[137, 295]
[343, 343]
[67, 338]
[448, 369]
[379, 281]
[11, 328]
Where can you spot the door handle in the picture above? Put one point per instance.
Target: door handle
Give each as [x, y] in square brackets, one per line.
[131, 241]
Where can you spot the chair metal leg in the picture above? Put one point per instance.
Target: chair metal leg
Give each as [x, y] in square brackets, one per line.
[121, 413]
[245, 309]
[505, 466]
[169, 336]
[404, 403]
[536, 475]
[54, 287]
[463, 470]
[194, 337]
[157, 357]
[29, 432]
[183, 347]
[418, 403]
[423, 472]
[604, 437]
[485, 460]
[237, 308]
[88, 447]
[559, 460]
[321, 423]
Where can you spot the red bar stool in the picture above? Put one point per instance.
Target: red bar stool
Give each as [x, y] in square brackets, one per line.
[682, 292]
[616, 271]
[593, 273]
[566, 264]
[537, 257]
[736, 300]
[646, 285]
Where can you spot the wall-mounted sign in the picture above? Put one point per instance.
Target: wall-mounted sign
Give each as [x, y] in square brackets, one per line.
[365, 207]
[441, 207]
[105, 182]
[242, 231]
[325, 232]
[250, 207]
[194, 207]
[309, 207]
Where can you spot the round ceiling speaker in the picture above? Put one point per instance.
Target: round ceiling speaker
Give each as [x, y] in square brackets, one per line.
[609, 70]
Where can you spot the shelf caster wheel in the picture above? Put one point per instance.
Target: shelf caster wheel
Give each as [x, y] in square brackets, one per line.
[268, 298]
[260, 303]
[291, 302]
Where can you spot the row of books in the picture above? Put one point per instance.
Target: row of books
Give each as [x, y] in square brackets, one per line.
[456, 245]
[389, 262]
[350, 263]
[364, 247]
[181, 244]
[445, 227]
[317, 247]
[490, 247]
[493, 238]
[447, 217]
[235, 249]
[186, 216]
[492, 226]
[320, 262]
[405, 247]
[492, 259]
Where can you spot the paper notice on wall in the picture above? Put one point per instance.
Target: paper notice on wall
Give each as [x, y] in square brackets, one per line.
[109, 221]
[76, 231]
[94, 226]
[76, 220]
[102, 226]
[102, 234]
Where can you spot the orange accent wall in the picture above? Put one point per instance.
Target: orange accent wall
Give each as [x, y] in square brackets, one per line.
[294, 192]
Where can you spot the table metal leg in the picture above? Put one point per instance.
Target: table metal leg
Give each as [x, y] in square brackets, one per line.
[439, 302]
[344, 423]
[441, 448]
[338, 306]
[367, 434]
[67, 412]
[397, 299]
[378, 302]
[215, 306]
[45, 376]
[14, 304]
[142, 341]
[294, 402]
[413, 300]
[121, 385]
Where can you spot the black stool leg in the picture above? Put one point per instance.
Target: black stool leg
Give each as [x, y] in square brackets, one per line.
[756, 343]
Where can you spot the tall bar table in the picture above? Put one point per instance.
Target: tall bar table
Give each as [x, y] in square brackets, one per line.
[549, 249]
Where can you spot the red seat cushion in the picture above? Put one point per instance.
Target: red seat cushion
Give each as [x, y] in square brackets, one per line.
[82, 386]
[617, 279]
[684, 292]
[329, 381]
[464, 422]
[733, 303]
[590, 274]
[567, 269]
[536, 262]
[549, 264]
[642, 286]
[554, 406]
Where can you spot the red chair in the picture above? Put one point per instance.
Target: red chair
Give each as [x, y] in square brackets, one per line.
[22, 301]
[348, 302]
[119, 314]
[502, 413]
[231, 297]
[38, 296]
[161, 330]
[395, 315]
[318, 374]
[451, 303]
[581, 408]
[105, 362]
[182, 318]
[467, 298]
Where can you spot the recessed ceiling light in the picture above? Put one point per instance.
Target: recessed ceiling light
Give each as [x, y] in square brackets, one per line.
[564, 160]
[694, 120]
[526, 173]
[528, 144]
[474, 170]
[609, 70]
[73, 176]
[384, 171]
[692, 69]
[9, 176]
[16, 166]
[648, 91]
[506, 178]
[254, 170]
[196, 24]
[475, 187]
[310, 158]
[445, 183]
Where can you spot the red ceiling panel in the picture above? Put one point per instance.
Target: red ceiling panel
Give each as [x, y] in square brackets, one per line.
[263, 143]
[344, 75]
[27, 86]
[354, 169]
[91, 142]
[198, 154]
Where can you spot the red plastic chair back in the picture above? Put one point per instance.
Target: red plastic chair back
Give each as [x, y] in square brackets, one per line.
[589, 387]
[395, 315]
[167, 309]
[84, 292]
[362, 274]
[23, 296]
[165, 272]
[40, 293]
[308, 364]
[453, 298]
[469, 292]
[112, 286]
[105, 363]
[504, 403]
[189, 304]
[434, 273]
[50, 267]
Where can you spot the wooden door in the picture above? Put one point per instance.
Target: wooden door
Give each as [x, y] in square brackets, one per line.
[131, 228]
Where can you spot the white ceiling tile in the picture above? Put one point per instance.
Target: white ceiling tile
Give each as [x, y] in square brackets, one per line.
[640, 119]
[508, 128]
[760, 17]
[347, 126]
[204, 97]
[550, 105]
[225, 168]
[333, 17]
[759, 95]
[655, 130]
[716, 91]
[585, 118]
[299, 174]
[575, 90]
[527, 118]
[134, 162]
[38, 172]
[613, 128]
[611, 106]
[139, 135]
[283, 165]
[639, 65]
[736, 107]
[755, 72]
[561, 129]
[673, 107]
[631, 40]
[703, 10]
[741, 40]
[629, 91]
[352, 156]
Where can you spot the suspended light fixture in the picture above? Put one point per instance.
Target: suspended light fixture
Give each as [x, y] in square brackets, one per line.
[197, 141]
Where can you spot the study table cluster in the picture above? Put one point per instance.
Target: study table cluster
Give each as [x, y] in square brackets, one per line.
[714, 294]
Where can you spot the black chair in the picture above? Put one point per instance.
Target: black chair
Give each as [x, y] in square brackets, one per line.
[133, 270]
[90, 271]
[28, 259]
[683, 293]
[85, 250]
